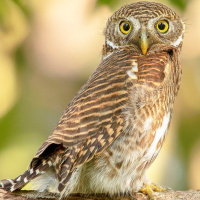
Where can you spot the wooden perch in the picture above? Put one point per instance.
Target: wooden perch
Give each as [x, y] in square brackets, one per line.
[169, 195]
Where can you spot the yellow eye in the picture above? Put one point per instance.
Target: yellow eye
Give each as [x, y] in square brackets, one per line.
[162, 26]
[125, 27]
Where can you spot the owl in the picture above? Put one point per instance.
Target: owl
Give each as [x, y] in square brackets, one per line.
[115, 126]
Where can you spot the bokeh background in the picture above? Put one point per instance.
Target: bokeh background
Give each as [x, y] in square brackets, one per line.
[49, 48]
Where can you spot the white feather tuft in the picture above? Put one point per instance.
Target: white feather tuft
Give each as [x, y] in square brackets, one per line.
[111, 44]
[178, 41]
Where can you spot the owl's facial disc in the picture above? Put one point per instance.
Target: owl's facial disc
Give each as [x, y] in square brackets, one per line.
[145, 27]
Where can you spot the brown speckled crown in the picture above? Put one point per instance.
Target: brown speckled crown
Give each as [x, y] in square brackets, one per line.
[144, 11]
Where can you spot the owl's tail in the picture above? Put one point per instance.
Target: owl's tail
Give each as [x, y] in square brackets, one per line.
[22, 180]
[6, 184]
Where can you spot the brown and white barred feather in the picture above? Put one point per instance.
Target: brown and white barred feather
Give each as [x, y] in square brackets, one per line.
[97, 107]
[28, 175]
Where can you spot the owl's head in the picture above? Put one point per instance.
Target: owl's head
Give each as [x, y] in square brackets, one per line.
[144, 26]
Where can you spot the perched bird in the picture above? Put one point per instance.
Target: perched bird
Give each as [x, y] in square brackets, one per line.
[115, 126]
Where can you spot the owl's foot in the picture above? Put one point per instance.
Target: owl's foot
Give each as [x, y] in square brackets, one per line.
[149, 190]
[157, 188]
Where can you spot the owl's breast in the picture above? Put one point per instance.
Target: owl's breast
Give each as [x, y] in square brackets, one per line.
[122, 165]
[152, 70]
[134, 151]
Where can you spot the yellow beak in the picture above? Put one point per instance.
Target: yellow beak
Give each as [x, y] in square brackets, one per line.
[144, 44]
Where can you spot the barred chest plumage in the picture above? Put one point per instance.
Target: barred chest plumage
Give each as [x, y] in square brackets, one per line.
[122, 166]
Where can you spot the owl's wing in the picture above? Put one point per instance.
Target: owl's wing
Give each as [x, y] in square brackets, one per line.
[94, 118]
[97, 105]
[96, 115]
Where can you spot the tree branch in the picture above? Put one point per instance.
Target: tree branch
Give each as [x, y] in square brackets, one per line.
[169, 195]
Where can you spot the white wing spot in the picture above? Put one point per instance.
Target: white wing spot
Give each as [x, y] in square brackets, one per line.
[131, 74]
[18, 179]
[37, 171]
[31, 171]
[135, 68]
[25, 180]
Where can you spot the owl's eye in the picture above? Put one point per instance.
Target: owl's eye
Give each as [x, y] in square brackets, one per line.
[162, 26]
[125, 27]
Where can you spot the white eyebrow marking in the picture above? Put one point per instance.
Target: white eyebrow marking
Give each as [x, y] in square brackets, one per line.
[135, 22]
[111, 44]
[152, 22]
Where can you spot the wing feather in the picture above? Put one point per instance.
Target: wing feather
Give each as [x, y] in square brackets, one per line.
[104, 95]
[95, 117]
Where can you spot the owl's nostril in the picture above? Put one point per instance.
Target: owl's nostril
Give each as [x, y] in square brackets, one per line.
[147, 36]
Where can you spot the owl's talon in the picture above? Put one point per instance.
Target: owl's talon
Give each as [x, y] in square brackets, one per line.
[157, 188]
[149, 190]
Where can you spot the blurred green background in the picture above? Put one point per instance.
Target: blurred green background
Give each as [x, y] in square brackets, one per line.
[49, 48]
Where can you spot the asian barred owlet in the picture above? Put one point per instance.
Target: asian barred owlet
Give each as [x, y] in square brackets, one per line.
[115, 126]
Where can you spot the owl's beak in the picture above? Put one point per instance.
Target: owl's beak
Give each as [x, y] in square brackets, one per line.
[143, 41]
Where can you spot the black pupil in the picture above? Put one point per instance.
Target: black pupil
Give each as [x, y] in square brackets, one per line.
[161, 26]
[126, 27]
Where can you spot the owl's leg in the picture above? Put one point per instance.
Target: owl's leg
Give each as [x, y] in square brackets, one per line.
[149, 190]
